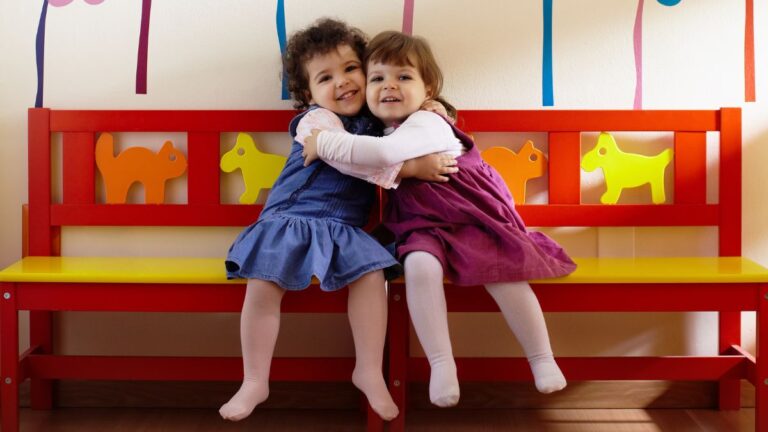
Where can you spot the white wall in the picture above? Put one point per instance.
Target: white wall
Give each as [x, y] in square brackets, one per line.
[224, 55]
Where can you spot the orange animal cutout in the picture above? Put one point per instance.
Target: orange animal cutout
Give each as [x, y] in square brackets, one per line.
[517, 168]
[137, 164]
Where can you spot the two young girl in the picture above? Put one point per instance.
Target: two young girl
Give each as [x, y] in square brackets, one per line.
[312, 222]
[466, 229]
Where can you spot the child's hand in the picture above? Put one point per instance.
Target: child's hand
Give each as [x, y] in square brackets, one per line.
[434, 106]
[432, 167]
[310, 147]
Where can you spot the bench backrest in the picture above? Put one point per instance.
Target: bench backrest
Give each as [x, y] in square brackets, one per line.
[204, 208]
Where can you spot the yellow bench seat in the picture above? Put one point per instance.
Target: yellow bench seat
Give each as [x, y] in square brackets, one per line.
[211, 270]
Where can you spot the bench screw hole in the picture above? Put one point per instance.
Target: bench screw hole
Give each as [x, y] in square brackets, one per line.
[765, 381]
[397, 297]
[766, 296]
[8, 381]
[396, 383]
[6, 295]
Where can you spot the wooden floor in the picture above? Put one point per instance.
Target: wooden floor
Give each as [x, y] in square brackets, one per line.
[458, 420]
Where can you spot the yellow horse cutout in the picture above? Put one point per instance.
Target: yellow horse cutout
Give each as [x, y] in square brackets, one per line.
[260, 170]
[626, 170]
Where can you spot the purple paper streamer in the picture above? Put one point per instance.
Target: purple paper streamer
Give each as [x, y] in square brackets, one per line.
[408, 17]
[638, 42]
[40, 54]
[141, 61]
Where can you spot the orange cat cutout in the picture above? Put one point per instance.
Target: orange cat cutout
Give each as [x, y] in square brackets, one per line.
[517, 168]
[137, 164]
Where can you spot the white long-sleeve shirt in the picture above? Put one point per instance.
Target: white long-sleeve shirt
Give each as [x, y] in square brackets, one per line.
[420, 134]
[323, 119]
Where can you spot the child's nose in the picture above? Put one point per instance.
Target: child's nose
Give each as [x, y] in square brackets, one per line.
[341, 82]
[389, 85]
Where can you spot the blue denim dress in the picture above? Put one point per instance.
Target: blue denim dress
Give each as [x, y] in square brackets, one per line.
[312, 225]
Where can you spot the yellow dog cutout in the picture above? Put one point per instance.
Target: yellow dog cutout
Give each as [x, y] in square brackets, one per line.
[626, 170]
[260, 170]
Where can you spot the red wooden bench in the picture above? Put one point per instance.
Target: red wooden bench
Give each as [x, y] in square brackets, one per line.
[44, 282]
[727, 284]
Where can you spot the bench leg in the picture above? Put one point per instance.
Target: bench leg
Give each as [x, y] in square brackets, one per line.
[761, 388]
[398, 352]
[9, 358]
[729, 326]
[41, 335]
[375, 423]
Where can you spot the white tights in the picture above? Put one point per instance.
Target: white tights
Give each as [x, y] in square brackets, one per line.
[518, 304]
[260, 324]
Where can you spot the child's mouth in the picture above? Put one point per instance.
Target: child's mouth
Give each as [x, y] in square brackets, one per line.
[347, 95]
[390, 99]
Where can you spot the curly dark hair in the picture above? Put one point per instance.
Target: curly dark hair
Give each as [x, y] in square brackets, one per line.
[320, 38]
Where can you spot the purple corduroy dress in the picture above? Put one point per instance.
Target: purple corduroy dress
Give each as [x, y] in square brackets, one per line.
[470, 224]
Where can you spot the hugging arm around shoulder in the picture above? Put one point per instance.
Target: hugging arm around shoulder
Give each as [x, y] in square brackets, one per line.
[323, 119]
[421, 134]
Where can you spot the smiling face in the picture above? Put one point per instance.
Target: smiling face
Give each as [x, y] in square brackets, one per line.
[336, 81]
[395, 92]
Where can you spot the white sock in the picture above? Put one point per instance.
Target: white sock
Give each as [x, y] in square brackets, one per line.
[259, 326]
[521, 310]
[429, 314]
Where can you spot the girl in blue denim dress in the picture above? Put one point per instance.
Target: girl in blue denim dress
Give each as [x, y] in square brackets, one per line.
[312, 223]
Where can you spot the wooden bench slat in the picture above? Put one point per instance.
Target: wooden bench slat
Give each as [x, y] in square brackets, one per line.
[139, 270]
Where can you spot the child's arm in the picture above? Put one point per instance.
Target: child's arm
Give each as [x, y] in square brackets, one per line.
[422, 133]
[387, 177]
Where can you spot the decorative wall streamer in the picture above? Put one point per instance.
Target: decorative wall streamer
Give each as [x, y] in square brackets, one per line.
[40, 54]
[408, 16]
[281, 39]
[638, 42]
[547, 91]
[749, 53]
[141, 61]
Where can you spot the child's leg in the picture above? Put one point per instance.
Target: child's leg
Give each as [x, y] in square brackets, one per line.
[367, 309]
[523, 314]
[259, 325]
[429, 314]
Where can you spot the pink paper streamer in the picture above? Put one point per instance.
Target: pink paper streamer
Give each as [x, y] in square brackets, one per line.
[141, 60]
[638, 41]
[408, 17]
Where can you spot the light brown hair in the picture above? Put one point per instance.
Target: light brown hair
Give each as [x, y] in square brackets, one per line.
[400, 49]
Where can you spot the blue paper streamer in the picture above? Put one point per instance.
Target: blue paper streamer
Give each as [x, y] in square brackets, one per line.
[547, 92]
[40, 54]
[280, 18]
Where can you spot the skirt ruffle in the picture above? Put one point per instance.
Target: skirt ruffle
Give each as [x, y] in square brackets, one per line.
[290, 250]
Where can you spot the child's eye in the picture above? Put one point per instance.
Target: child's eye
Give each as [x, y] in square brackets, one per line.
[351, 68]
[404, 77]
[375, 79]
[323, 78]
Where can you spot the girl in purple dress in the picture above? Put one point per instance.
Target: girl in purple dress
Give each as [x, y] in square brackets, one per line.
[466, 229]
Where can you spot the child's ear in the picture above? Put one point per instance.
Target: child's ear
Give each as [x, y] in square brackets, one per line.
[429, 91]
[308, 95]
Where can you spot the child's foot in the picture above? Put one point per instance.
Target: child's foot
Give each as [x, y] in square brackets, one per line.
[547, 374]
[251, 393]
[374, 387]
[444, 385]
